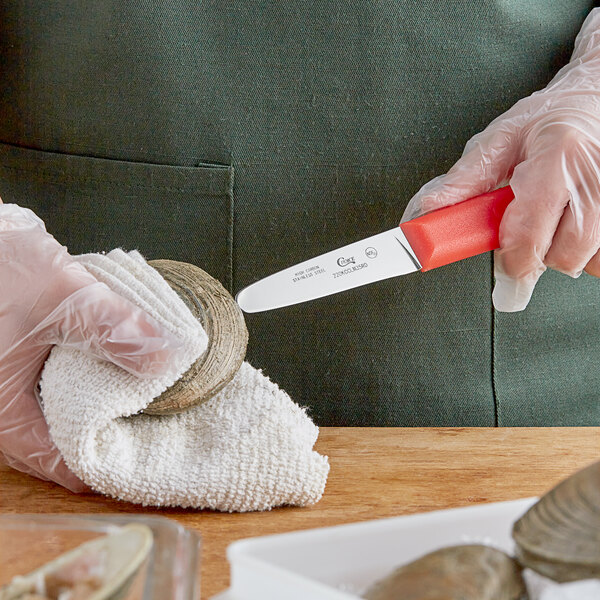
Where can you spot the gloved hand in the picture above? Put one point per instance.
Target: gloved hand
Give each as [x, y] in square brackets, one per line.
[47, 298]
[548, 146]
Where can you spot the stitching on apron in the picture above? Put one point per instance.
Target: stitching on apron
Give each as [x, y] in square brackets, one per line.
[50, 177]
[230, 231]
[493, 349]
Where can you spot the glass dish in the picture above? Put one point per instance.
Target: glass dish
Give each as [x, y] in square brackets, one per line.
[170, 572]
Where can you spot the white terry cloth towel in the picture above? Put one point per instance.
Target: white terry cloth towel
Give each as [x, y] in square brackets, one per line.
[247, 448]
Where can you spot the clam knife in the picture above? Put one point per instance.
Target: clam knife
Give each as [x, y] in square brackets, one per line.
[438, 238]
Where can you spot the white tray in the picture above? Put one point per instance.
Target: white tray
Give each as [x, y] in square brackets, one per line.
[341, 562]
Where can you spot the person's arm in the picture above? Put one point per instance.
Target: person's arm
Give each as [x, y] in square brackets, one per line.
[548, 147]
[47, 298]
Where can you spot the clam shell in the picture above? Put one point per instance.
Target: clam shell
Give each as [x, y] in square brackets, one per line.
[559, 536]
[122, 554]
[224, 324]
[469, 572]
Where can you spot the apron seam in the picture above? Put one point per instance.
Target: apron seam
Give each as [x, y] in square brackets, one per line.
[493, 348]
[50, 176]
[230, 231]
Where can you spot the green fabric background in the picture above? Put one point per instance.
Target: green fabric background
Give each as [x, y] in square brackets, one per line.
[123, 124]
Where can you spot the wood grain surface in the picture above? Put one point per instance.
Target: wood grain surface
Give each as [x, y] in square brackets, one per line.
[375, 473]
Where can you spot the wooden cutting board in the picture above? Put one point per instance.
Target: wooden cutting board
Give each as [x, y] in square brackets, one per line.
[375, 473]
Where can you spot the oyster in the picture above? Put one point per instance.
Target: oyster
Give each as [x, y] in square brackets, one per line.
[101, 569]
[466, 572]
[559, 536]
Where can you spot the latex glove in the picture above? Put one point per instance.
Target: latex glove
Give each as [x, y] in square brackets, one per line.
[548, 146]
[47, 298]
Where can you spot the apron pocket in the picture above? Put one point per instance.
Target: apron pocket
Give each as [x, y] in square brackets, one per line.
[96, 204]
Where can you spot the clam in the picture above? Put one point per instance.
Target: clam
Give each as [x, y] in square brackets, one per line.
[225, 327]
[559, 536]
[101, 569]
[468, 572]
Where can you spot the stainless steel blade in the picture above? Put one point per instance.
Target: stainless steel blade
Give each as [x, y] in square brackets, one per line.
[378, 257]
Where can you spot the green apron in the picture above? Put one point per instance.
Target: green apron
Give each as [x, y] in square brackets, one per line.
[247, 136]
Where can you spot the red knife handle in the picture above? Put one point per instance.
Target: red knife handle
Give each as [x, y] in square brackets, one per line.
[455, 232]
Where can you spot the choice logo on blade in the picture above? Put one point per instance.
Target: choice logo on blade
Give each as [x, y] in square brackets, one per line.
[344, 262]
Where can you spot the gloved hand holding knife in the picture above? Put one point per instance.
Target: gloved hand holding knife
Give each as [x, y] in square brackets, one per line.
[546, 145]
